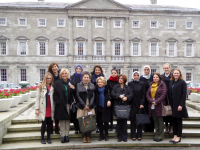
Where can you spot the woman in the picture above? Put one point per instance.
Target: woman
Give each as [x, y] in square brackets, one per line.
[147, 77]
[64, 91]
[44, 106]
[166, 78]
[177, 96]
[76, 77]
[112, 81]
[85, 94]
[122, 94]
[137, 102]
[156, 95]
[103, 108]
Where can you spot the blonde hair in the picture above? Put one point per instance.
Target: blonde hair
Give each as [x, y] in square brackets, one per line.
[62, 70]
[102, 79]
[167, 64]
[44, 82]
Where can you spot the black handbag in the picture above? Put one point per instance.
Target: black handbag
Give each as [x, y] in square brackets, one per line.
[73, 107]
[142, 118]
[122, 111]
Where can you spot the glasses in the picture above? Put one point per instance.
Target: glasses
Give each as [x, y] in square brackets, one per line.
[49, 78]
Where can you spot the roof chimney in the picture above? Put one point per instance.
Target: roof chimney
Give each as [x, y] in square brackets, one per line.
[153, 1]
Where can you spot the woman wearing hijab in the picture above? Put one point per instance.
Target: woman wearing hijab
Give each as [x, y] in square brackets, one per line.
[76, 78]
[147, 77]
[137, 102]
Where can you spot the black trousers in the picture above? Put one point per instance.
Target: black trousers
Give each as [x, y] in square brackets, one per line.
[122, 129]
[103, 126]
[133, 129]
[177, 126]
[148, 127]
[47, 122]
[168, 119]
[112, 114]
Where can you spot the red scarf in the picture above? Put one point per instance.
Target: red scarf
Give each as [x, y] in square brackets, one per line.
[115, 79]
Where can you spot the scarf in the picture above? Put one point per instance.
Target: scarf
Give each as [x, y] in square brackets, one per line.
[76, 74]
[154, 88]
[101, 96]
[147, 76]
[115, 79]
[96, 76]
[136, 81]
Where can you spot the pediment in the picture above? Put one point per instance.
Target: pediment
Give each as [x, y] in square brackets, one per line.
[153, 40]
[117, 39]
[136, 39]
[42, 38]
[189, 40]
[22, 38]
[61, 38]
[171, 40]
[80, 38]
[3, 37]
[99, 39]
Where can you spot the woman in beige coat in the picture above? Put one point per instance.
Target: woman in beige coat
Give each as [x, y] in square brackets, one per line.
[44, 106]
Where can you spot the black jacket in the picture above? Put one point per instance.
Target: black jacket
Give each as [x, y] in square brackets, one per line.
[106, 111]
[82, 94]
[167, 81]
[92, 79]
[77, 80]
[177, 97]
[138, 96]
[117, 91]
[111, 84]
[59, 98]
[146, 81]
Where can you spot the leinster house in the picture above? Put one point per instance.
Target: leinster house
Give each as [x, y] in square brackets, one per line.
[90, 32]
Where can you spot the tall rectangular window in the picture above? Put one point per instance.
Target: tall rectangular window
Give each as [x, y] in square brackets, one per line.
[42, 73]
[188, 49]
[153, 71]
[189, 75]
[22, 47]
[3, 48]
[80, 48]
[117, 49]
[23, 75]
[3, 75]
[135, 48]
[99, 48]
[171, 49]
[61, 48]
[42, 48]
[153, 49]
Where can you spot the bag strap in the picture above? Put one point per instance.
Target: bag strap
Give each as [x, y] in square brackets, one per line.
[144, 111]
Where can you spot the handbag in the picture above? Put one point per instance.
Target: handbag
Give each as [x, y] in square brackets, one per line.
[73, 106]
[166, 110]
[87, 124]
[122, 111]
[142, 118]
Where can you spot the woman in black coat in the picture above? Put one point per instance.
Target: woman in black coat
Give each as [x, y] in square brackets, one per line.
[122, 95]
[177, 95]
[137, 102]
[103, 108]
[166, 78]
[64, 91]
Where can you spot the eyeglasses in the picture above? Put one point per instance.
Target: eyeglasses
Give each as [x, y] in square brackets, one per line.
[49, 78]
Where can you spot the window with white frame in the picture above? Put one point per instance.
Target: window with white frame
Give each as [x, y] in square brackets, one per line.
[188, 75]
[41, 22]
[22, 47]
[79, 23]
[117, 48]
[171, 25]
[117, 23]
[189, 49]
[153, 24]
[135, 49]
[136, 24]
[3, 75]
[3, 48]
[171, 49]
[189, 25]
[61, 48]
[60, 22]
[3, 21]
[99, 48]
[80, 48]
[42, 48]
[98, 23]
[153, 71]
[42, 73]
[153, 49]
[22, 22]
[23, 76]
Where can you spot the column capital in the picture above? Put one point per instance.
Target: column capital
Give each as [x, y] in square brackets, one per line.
[70, 17]
[89, 17]
[108, 18]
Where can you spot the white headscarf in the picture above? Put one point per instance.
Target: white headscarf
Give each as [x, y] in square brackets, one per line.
[137, 73]
[147, 76]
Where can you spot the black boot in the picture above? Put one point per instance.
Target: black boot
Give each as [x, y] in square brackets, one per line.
[111, 127]
[57, 131]
[97, 130]
[62, 139]
[66, 139]
[43, 141]
[49, 141]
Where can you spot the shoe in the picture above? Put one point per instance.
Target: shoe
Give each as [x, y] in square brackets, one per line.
[97, 130]
[84, 140]
[57, 131]
[101, 138]
[106, 138]
[175, 142]
[158, 140]
[76, 131]
[88, 140]
[43, 141]
[171, 141]
[139, 139]
[119, 140]
[125, 140]
[66, 139]
[62, 139]
[166, 129]
[111, 127]
[133, 139]
[116, 130]
[155, 139]
[49, 141]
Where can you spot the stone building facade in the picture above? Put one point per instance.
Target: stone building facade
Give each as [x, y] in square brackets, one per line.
[90, 32]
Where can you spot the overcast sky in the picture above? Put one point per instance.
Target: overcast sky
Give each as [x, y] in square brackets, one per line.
[182, 3]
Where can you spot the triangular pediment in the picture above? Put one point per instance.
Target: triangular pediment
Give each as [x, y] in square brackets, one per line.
[3, 37]
[98, 4]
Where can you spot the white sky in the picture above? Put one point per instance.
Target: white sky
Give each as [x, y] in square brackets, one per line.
[182, 3]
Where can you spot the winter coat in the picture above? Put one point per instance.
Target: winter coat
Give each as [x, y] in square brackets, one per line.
[166, 80]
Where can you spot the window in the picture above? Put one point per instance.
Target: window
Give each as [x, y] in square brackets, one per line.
[189, 75]
[42, 48]
[117, 23]
[60, 22]
[135, 49]
[153, 49]
[135, 70]
[23, 75]
[171, 25]
[136, 24]
[22, 22]
[153, 71]
[153, 24]
[99, 24]
[42, 73]
[119, 71]
[3, 21]
[3, 75]
[22, 48]
[117, 49]
[189, 25]
[3, 48]
[41, 22]
[188, 49]
[80, 48]
[171, 49]
[99, 49]
[61, 48]
[79, 23]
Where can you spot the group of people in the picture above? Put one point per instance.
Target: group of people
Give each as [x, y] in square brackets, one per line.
[91, 93]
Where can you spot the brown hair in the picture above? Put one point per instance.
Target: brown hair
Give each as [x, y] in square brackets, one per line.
[97, 66]
[85, 73]
[51, 66]
[159, 76]
[180, 77]
[44, 83]
[124, 77]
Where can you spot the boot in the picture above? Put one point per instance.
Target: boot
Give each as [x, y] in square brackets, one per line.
[84, 140]
[66, 139]
[88, 140]
[166, 129]
[57, 131]
[171, 129]
[63, 139]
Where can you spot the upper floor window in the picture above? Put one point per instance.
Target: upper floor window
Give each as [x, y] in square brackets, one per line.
[60, 22]
[3, 75]
[171, 25]
[189, 47]
[98, 23]
[42, 22]
[189, 25]
[3, 21]
[22, 22]
[23, 47]
[136, 24]
[3, 47]
[42, 73]
[153, 47]
[117, 23]
[153, 24]
[80, 23]
[189, 75]
[23, 75]
[153, 71]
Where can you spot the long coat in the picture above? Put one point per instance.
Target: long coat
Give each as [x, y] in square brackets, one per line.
[179, 97]
[60, 98]
[82, 94]
[160, 96]
[138, 97]
[106, 111]
[167, 81]
[40, 102]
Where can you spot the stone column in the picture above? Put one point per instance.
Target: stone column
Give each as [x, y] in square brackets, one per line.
[126, 47]
[108, 46]
[71, 45]
[89, 46]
